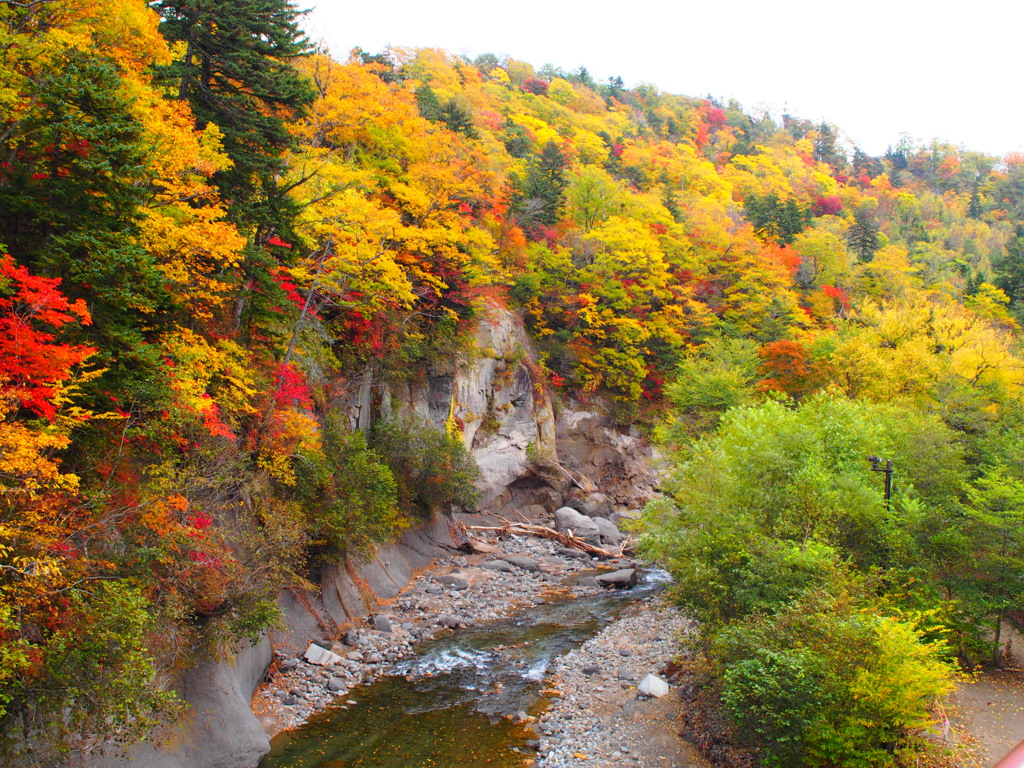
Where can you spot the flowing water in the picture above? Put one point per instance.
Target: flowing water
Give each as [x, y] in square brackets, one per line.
[452, 704]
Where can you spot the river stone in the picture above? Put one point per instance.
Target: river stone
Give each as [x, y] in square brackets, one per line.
[317, 655]
[623, 579]
[521, 561]
[589, 581]
[382, 623]
[485, 548]
[336, 685]
[652, 685]
[568, 519]
[596, 505]
[498, 565]
[628, 514]
[610, 534]
[453, 581]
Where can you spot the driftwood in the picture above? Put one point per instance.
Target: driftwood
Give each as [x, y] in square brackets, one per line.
[526, 528]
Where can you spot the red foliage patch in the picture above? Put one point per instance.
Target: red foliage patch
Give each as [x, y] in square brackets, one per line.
[32, 364]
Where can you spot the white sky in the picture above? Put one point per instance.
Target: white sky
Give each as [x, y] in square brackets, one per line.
[875, 68]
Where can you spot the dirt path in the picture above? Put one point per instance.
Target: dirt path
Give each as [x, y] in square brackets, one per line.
[990, 711]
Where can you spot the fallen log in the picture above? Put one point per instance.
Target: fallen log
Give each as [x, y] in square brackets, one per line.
[542, 531]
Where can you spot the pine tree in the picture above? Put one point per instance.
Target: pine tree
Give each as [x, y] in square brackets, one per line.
[863, 235]
[73, 193]
[236, 73]
[974, 209]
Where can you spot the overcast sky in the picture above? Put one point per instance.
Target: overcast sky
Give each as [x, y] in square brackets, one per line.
[874, 68]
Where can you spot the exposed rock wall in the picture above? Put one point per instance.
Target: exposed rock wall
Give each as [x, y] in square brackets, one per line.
[218, 729]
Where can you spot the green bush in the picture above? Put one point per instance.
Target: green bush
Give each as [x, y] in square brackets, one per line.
[775, 699]
[432, 468]
[97, 676]
[351, 492]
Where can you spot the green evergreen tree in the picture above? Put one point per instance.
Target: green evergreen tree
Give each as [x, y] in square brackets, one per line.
[428, 103]
[863, 235]
[974, 209]
[1010, 272]
[73, 193]
[236, 73]
[775, 220]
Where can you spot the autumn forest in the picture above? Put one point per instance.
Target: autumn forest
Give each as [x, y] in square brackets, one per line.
[209, 228]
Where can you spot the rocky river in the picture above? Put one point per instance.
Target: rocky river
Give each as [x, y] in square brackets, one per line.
[520, 654]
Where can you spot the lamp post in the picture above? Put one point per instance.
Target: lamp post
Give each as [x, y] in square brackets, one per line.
[877, 466]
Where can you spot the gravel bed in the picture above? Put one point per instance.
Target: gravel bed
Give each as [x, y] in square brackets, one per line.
[598, 717]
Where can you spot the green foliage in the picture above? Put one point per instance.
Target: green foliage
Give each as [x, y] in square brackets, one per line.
[236, 73]
[712, 378]
[98, 676]
[775, 701]
[70, 203]
[863, 235]
[782, 546]
[433, 469]
[14, 658]
[775, 220]
[354, 496]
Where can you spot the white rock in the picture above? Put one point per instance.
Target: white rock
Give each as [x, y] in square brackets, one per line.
[652, 685]
[317, 655]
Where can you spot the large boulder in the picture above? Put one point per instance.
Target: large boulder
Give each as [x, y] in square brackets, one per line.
[626, 514]
[610, 534]
[568, 519]
[622, 579]
[596, 505]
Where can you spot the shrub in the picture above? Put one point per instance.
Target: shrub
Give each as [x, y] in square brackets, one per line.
[432, 468]
[774, 699]
[354, 492]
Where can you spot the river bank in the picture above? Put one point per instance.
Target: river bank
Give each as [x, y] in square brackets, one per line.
[600, 716]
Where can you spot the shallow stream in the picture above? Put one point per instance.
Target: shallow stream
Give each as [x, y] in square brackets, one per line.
[453, 704]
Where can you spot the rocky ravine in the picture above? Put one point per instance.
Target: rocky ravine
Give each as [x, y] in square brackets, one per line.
[502, 576]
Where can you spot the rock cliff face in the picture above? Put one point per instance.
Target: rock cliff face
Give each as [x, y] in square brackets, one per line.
[529, 460]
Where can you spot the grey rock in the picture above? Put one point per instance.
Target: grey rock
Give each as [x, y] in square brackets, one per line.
[498, 565]
[336, 685]
[521, 561]
[351, 638]
[453, 581]
[622, 579]
[629, 514]
[568, 519]
[610, 534]
[596, 505]
[287, 664]
[382, 623]
[652, 685]
[589, 581]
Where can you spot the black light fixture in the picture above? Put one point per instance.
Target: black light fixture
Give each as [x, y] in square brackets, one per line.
[877, 466]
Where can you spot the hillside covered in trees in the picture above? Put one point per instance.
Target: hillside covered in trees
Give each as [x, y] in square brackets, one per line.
[209, 229]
